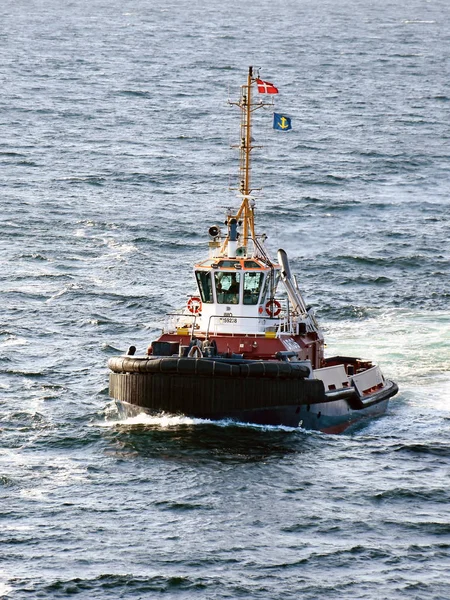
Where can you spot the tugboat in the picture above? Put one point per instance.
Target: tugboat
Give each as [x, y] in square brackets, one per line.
[237, 350]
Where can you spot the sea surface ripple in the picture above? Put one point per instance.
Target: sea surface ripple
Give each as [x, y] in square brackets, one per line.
[114, 161]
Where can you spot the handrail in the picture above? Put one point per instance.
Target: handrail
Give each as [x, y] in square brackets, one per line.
[238, 317]
[284, 324]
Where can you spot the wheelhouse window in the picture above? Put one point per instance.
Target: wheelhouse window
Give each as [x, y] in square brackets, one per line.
[227, 287]
[205, 285]
[252, 286]
[270, 285]
[266, 289]
[228, 263]
[251, 264]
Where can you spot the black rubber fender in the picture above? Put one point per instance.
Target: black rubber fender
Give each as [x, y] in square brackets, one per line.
[208, 367]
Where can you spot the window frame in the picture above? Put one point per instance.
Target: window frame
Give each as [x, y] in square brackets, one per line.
[218, 276]
[198, 274]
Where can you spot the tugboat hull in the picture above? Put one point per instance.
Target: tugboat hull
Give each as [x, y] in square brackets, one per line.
[337, 416]
[250, 391]
[258, 392]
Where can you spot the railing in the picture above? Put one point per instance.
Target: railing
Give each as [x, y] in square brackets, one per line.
[279, 324]
[283, 324]
[180, 315]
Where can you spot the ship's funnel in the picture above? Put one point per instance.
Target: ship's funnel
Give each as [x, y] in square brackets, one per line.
[298, 304]
[232, 230]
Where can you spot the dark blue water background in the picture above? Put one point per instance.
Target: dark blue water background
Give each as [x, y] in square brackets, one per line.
[114, 161]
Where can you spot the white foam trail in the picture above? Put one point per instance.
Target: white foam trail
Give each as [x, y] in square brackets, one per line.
[163, 421]
[410, 346]
[167, 421]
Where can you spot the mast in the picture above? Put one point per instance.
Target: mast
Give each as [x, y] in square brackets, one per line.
[246, 210]
[245, 146]
[245, 214]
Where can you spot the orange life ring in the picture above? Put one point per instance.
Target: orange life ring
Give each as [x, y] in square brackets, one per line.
[273, 308]
[194, 305]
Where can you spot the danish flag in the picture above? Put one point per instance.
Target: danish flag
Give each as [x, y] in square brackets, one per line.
[265, 87]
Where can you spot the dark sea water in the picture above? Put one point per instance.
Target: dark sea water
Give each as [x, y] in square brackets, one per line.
[114, 161]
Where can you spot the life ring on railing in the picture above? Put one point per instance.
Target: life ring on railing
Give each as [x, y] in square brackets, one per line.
[194, 305]
[273, 308]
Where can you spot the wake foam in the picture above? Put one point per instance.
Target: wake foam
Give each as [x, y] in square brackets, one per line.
[166, 421]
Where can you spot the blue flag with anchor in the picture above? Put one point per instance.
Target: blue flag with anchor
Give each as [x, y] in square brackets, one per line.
[281, 122]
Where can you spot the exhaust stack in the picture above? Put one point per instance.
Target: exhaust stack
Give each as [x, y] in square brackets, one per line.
[298, 304]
